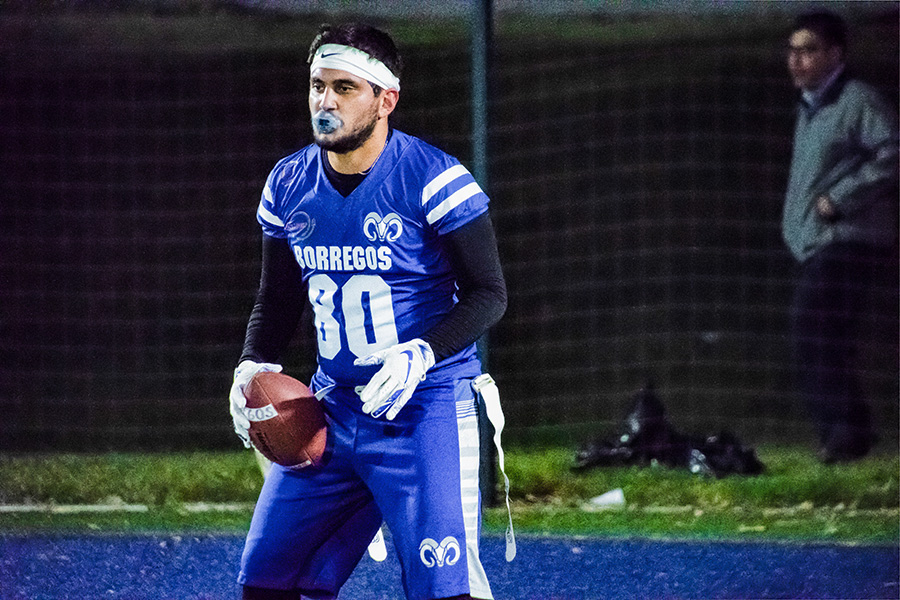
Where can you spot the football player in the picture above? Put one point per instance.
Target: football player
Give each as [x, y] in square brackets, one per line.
[390, 241]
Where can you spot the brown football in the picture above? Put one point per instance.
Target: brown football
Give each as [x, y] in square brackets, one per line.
[287, 424]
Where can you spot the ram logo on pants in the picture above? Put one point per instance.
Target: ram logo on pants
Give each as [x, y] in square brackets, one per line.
[434, 554]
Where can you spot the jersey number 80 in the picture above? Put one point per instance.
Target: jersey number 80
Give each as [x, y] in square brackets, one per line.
[367, 310]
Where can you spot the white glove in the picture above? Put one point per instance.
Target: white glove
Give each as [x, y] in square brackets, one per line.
[242, 375]
[392, 386]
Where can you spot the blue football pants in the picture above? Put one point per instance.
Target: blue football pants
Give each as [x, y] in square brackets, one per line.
[417, 473]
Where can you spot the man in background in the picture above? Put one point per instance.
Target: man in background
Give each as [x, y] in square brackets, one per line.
[840, 223]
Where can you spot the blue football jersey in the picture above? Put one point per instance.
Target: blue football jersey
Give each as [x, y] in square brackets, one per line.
[374, 263]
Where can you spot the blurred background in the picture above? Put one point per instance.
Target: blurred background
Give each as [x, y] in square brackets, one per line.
[636, 157]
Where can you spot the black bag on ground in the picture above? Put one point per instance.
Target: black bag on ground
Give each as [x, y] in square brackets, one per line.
[646, 438]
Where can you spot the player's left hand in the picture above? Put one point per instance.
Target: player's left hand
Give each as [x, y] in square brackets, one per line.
[392, 386]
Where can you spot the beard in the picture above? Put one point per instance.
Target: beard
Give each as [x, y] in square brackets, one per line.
[350, 141]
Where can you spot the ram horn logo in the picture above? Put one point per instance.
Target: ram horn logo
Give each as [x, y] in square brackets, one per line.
[387, 229]
[434, 554]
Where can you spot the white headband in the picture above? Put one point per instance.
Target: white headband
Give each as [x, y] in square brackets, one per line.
[355, 62]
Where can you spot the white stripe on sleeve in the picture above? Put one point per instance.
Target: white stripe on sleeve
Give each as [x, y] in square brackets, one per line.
[269, 218]
[452, 201]
[436, 184]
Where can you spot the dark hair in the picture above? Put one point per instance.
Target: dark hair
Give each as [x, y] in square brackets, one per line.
[826, 25]
[370, 40]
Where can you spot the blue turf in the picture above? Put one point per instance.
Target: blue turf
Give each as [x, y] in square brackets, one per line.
[203, 567]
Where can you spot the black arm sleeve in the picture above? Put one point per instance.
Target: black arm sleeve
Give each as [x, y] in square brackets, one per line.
[482, 289]
[279, 303]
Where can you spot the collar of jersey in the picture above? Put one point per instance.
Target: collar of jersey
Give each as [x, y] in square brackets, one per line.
[377, 172]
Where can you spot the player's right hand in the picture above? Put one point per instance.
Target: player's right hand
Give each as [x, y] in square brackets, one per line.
[242, 375]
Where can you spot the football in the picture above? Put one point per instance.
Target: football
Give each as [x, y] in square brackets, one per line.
[287, 424]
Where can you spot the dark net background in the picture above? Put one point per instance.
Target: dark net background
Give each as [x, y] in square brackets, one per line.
[636, 188]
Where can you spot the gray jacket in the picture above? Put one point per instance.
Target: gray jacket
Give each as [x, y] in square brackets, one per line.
[845, 147]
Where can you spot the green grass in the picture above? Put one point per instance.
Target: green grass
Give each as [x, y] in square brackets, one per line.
[796, 499]
[792, 477]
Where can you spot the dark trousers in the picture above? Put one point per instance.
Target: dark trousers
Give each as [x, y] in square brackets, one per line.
[830, 298]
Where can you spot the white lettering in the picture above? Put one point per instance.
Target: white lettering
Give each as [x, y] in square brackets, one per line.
[263, 413]
[384, 258]
[335, 252]
[344, 258]
[359, 259]
[309, 257]
[348, 259]
[298, 253]
[322, 258]
[371, 258]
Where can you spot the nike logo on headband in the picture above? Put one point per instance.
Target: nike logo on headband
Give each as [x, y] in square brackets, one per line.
[355, 62]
